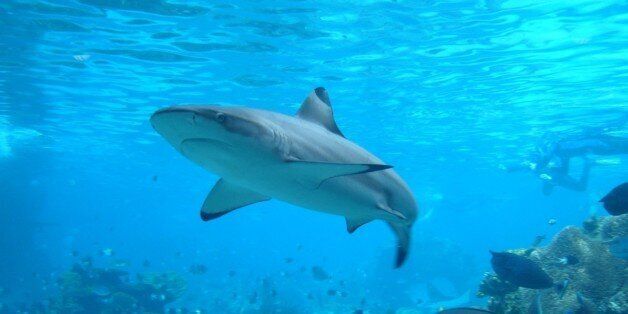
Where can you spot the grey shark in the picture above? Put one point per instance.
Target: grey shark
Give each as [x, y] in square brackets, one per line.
[304, 160]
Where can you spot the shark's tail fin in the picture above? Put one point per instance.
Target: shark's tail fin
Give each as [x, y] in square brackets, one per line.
[402, 232]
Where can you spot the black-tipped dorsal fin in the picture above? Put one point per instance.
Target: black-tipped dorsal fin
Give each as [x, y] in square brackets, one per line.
[317, 108]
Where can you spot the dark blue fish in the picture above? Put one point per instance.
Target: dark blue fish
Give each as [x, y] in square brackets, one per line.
[520, 271]
[616, 201]
[319, 273]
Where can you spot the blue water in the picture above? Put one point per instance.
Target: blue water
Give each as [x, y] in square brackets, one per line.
[446, 91]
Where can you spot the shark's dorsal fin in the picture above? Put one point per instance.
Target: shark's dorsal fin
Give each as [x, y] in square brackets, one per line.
[354, 223]
[316, 108]
[225, 197]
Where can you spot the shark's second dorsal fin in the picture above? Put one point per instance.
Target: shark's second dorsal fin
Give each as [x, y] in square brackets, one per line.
[317, 108]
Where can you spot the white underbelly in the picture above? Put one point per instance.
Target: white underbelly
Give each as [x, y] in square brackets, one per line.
[336, 196]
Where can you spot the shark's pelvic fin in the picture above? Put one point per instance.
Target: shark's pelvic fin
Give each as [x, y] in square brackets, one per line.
[354, 223]
[321, 171]
[225, 197]
[317, 108]
[403, 242]
[391, 211]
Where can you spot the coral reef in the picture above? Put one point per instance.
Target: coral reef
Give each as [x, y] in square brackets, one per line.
[595, 278]
[85, 289]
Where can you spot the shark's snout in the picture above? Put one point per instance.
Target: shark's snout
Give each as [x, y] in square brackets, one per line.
[178, 123]
[175, 114]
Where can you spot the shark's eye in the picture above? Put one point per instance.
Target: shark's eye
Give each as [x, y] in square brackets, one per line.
[220, 117]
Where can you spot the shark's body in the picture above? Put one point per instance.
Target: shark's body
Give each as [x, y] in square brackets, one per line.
[303, 160]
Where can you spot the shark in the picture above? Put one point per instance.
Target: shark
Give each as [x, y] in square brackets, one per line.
[304, 160]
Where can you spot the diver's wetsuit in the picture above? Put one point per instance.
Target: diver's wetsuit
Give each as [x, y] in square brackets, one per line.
[562, 151]
[598, 145]
[559, 176]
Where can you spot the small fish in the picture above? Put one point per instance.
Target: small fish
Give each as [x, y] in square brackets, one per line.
[464, 310]
[101, 291]
[545, 177]
[107, 252]
[537, 240]
[288, 260]
[87, 262]
[253, 298]
[198, 269]
[319, 273]
[520, 271]
[146, 263]
[586, 306]
[537, 306]
[120, 263]
[616, 201]
[154, 178]
[568, 260]
[81, 58]
[619, 247]
[232, 273]
[332, 292]
[551, 222]
[358, 311]
[561, 288]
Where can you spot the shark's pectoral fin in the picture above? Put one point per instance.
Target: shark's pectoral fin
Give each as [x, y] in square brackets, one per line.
[318, 172]
[316, 108]
[355, 223]
[225, 197]
[402, 231]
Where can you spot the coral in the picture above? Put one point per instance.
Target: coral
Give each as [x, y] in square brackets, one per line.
[596, 280]
[120, 303]
[612, 228]
[93, 290]
[491, 285]
[171, 284]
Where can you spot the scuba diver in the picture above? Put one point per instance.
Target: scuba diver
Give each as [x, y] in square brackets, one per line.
[552, 160]
[554, 175]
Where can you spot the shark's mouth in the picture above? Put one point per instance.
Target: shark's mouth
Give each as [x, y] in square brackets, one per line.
[203, 141]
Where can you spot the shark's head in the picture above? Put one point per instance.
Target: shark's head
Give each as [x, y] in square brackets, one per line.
[209, 133]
